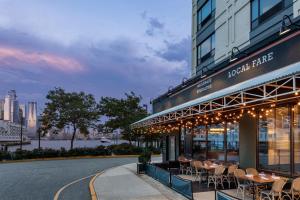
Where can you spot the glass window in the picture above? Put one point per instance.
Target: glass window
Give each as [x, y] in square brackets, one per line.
[206, 10]
[205, 47]
[199, 143]
[274, 140]
[215, 143]
[267, 5]
[254, 10]
[296, 126]
[233, 142]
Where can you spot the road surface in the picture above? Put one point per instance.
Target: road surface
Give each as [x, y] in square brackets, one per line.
[40, 180]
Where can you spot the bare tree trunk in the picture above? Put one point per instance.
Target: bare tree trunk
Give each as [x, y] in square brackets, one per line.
[73, 137]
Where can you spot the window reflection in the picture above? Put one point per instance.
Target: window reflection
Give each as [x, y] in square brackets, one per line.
[232, 142]
[274, 140]
[215, 143]
[199, 143]
[297, 139]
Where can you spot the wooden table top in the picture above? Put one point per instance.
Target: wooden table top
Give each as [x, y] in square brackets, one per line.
[261, 178]
[210, 167]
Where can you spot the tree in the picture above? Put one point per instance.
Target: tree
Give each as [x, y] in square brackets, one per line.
[79, 111]
[121, 113]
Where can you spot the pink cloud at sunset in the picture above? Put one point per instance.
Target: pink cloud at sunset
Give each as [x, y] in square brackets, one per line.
[12, 56]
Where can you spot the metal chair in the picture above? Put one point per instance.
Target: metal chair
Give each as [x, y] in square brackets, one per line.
[217, 177]
[252, 171]
[242, 185]
[275, 192]
[294, 192]
[198, 170]
[229, 177]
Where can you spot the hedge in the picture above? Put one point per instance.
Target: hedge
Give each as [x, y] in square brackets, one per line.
[122, 149]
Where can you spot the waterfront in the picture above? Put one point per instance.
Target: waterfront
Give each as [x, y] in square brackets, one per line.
[57, 144]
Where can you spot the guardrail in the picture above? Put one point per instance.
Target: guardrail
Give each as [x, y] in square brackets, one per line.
[182, 186]
[219, 195]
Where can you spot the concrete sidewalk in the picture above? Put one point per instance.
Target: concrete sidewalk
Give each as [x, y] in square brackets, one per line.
[122, 183]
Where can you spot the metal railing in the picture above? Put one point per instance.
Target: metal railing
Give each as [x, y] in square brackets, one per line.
[219, 195]
[182, 186]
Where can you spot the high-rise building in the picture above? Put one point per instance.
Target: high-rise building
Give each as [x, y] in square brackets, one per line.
[11, 107]
[32, 121]
[23, 113]
[2, 109]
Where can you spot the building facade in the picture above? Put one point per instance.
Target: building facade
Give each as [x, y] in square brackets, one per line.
[242, 102]
[32, 122]
[11, 107]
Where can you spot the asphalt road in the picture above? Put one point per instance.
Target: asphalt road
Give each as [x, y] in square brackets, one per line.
[40, 180]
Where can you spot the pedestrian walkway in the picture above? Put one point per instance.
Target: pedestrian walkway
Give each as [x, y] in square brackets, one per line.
[122, 183]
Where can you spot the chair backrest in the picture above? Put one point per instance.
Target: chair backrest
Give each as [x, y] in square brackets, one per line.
[197, 165]
[180, 158]
[252, 171]
[238, 173]
[232, 168]
[208, 162]
[278, 185]
[296, 185]
[219, 170]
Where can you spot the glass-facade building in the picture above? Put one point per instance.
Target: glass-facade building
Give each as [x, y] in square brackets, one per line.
[242, 102]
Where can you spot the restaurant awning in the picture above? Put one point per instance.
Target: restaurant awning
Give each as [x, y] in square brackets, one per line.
[275, 84]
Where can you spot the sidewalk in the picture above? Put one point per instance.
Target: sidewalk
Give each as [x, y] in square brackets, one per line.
[122, 183]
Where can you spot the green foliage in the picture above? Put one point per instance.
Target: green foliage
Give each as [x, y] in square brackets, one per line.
[63, 109]
[126, 149]
[121, 113]
[145, 157]
[122, 149]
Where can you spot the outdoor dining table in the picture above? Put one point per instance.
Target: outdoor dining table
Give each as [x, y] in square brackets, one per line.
[208, 168]
[260, 179]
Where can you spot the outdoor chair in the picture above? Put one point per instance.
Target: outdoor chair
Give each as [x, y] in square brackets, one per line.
[217, 177]
[252, 171]
[229, 177]
[275, 192]
[182, 167]
[242, 185]
[190, 169]
[294, 192]
[208, 162]
[199, 172]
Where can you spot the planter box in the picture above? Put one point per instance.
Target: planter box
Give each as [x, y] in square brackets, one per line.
[140, 168]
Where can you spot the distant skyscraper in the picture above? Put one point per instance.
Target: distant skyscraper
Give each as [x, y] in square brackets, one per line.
[2, 109]
[22, 108]
[11, 107]
[32, 119]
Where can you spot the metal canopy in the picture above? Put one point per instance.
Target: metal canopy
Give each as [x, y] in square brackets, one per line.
[266, 87]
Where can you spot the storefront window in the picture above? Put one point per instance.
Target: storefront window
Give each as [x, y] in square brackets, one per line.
[215, 143]
[274, 140]
[233, 142]
[297, 139]
[199, 143]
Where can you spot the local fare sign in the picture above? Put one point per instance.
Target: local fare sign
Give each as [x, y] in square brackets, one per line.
[265, 58]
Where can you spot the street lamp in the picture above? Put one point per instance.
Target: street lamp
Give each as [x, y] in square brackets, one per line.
[287, 25]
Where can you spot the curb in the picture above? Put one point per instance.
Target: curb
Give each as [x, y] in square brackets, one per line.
[71, 158]
[92, 188]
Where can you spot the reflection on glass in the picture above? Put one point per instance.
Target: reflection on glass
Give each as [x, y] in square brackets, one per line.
[199, 143]
[274, 140]
[215, 143]
[267, 5]
[232, 142]
[297, 139]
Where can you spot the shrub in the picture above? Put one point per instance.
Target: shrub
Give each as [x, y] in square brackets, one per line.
[126, 149]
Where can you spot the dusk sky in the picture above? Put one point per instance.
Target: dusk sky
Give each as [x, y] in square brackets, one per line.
[103, 47]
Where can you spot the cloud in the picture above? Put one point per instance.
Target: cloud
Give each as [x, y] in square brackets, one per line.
[13, 57]
[154, 25]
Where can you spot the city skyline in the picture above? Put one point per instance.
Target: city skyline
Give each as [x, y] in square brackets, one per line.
[87, 47]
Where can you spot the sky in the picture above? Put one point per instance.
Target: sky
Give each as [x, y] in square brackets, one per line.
[101, 47]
